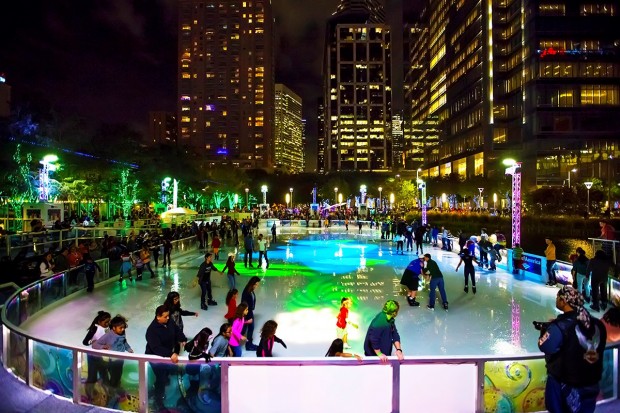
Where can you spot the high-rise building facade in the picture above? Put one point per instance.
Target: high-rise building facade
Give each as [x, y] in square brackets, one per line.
[531, 80]
[226, 80]
[357, 89]
[288, 130]
[162, 129]
[321, 139]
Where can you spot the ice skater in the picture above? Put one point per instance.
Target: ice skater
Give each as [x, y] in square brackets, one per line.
[469, 270]
[433, 270]
[115, 340]
[342, 321]
[267, 339]
[411, 280]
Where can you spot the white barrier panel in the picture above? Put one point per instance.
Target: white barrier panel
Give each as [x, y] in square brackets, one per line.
[438, 388]
[310, 389]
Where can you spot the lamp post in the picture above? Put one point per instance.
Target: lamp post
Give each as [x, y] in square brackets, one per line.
[481, 199]
[422, 188]
[514, 169]
[263, 189]
[417, 174]
[335, 194]
[291, 190]
[494, 200]
[588, 186]
[572, 170]
[380, 200]
[247, 198]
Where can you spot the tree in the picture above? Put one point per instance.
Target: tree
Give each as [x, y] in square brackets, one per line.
[407, 192]
[125, 192]
[21, 187]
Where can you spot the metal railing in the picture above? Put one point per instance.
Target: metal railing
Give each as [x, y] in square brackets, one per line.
[267, 384]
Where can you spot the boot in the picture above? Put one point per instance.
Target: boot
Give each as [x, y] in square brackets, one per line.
[473, 289]
[414, 303]
[466, 289]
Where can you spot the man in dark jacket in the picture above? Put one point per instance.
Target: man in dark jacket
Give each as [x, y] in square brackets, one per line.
[164, 339]
[382, 334]
[204, 280]
[573, 344]
[433, 270]
[248, 244]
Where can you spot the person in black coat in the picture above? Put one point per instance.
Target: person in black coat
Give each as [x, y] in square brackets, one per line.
[249, 298]
[163, 338]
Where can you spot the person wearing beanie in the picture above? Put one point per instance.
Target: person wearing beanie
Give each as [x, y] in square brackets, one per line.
[573, 344]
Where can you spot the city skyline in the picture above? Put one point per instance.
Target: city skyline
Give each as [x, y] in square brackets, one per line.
[116, 62]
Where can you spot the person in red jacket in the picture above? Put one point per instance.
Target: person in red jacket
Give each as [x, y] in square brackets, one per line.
[215, 244]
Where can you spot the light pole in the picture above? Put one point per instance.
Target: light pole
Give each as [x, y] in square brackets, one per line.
[494, 200]
[572, 170]
[247, 198]
[422, 188]
[291, 190]
[417, 174]
[263, 189]
[514, 169]
[380, 200]
[588, 186]
[335, 194]
[481, 199]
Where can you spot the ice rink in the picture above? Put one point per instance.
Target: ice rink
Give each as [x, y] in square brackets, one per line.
[302, 288]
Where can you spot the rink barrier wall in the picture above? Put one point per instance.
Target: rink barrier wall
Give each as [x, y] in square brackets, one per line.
[483, 383]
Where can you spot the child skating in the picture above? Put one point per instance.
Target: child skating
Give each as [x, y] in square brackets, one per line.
[343, 321]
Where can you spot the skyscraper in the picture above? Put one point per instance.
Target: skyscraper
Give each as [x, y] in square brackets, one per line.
[321, 139]
[288, 142]
[535, 81]
[226, 80]
[357, 88]
[162, 129]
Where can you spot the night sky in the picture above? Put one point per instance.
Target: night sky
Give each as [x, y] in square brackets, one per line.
[114, 60]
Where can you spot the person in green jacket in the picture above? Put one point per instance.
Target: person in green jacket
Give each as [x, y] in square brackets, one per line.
[517, 258]
[433, 270]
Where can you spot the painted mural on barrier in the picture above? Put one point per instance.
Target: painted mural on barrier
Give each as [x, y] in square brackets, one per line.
[519, 386]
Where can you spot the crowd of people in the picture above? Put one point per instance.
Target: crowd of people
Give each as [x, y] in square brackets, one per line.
[575, 338]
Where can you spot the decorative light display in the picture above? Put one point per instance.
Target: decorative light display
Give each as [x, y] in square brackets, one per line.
[45, 187]
[515, 170]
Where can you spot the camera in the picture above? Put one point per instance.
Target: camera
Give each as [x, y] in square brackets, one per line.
[540, 325]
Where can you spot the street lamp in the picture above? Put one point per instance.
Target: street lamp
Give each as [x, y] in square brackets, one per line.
[247, 198]
[514, 169]
[263, 189]
[481, 203]
[417, 174]
[380, 200]
[291, 190]
[588, 186]
[494, 200]
[572, 170]
[335, 194]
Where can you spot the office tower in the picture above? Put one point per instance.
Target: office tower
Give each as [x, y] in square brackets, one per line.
[225, 81]
[5, 97]
[162, 129]
[321, 139]
[421, 134]
[357, 89]
[288, 131]
[534, 81]
[304, 143]
[394, 17]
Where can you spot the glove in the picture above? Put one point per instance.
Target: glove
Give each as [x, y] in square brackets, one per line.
[284, 344]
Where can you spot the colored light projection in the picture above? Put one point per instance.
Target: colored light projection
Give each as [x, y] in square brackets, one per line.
[321, 270]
